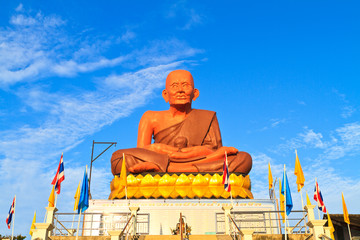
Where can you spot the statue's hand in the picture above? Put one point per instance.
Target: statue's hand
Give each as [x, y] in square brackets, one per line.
[191, 152]
[161, 148]
[229, 150]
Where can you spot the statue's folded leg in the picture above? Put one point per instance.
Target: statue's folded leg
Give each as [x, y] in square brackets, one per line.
[240, 162]
[134, 156]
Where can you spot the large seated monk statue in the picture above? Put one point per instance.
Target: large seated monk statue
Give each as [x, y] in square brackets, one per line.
[185, 139]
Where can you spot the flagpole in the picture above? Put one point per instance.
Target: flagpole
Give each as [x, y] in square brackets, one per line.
[346, 214]
[272, 197]
[13, 223]
[285, 202]
[72, 223]
[277, 206]
[302, 208]
[317, 202]
[302, 201]
[232, 203]
[349, 231]
[126, 198]
[55, 199]
[77, 230]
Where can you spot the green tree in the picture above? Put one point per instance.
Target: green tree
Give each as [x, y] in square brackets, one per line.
[18, 237]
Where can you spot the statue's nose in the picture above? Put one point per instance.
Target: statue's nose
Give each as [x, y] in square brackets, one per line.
[181, 88]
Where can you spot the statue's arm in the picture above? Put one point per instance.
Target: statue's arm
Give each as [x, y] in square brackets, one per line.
[145, 133]
[145, 130]
[200, 151]
[211, 148]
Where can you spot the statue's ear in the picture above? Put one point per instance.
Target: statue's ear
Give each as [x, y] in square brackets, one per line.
[165, 95]
[196, 94]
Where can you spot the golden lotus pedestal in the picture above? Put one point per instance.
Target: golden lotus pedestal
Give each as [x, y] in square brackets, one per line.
[180, 185]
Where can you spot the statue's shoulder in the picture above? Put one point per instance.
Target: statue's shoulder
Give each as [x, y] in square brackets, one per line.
[152, 115]
[204, 112]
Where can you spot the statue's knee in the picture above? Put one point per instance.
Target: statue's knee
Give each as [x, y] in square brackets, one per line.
[246, 156]
[247, 162]
[243, 162]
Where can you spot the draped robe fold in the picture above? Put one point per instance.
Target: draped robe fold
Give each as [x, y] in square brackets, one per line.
[200, 128]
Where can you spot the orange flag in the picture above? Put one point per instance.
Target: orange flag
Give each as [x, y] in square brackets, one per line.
[32, 227]
[308, 202]
[270, 178]
[346, 214]
[123, 177]
[77, 197]
[52, 198]
[300, 180]
[330, 224]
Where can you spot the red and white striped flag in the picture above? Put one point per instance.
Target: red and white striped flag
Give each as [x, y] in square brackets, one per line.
[318, 198]
[11, 212]
[226, 180]
[59, 176]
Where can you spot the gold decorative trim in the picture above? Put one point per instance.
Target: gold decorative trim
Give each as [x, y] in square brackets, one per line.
[180, 186]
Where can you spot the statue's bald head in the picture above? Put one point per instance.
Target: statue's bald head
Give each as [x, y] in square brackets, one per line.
[179, 88]
[179, 74]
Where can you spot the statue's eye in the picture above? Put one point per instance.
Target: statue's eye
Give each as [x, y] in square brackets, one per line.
[174, 86]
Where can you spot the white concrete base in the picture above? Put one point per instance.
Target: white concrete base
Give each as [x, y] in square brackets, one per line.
[203, 216]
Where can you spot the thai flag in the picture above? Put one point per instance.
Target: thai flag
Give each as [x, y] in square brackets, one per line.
[60, 176]
[318, 198]
[226, 181]
[11, 212]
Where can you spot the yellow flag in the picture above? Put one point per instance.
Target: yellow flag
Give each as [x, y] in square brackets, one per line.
[52, 198]
[77, 197]
[308, 202]
[300, 180]
[332, 229]
[346, 214]
[33, 224]
[270, 178]
[123, 179]
[282, 203]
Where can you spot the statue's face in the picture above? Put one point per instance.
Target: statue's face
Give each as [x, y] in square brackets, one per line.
[179, 88]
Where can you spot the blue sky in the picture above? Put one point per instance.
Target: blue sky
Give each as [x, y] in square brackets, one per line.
[281, 76]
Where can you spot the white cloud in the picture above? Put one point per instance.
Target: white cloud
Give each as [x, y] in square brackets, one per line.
[348, 111]
[71, 117]
[312, 138]
[35, 47]
[343, 142]
[331, 182]
[301, 103]
[348, 142]
[19, 8]
[70, 68]
[38, 46]
[194, 20]
[307, 139]
[32, 187]
[276, 122]
[190, 16]
[127, 36]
